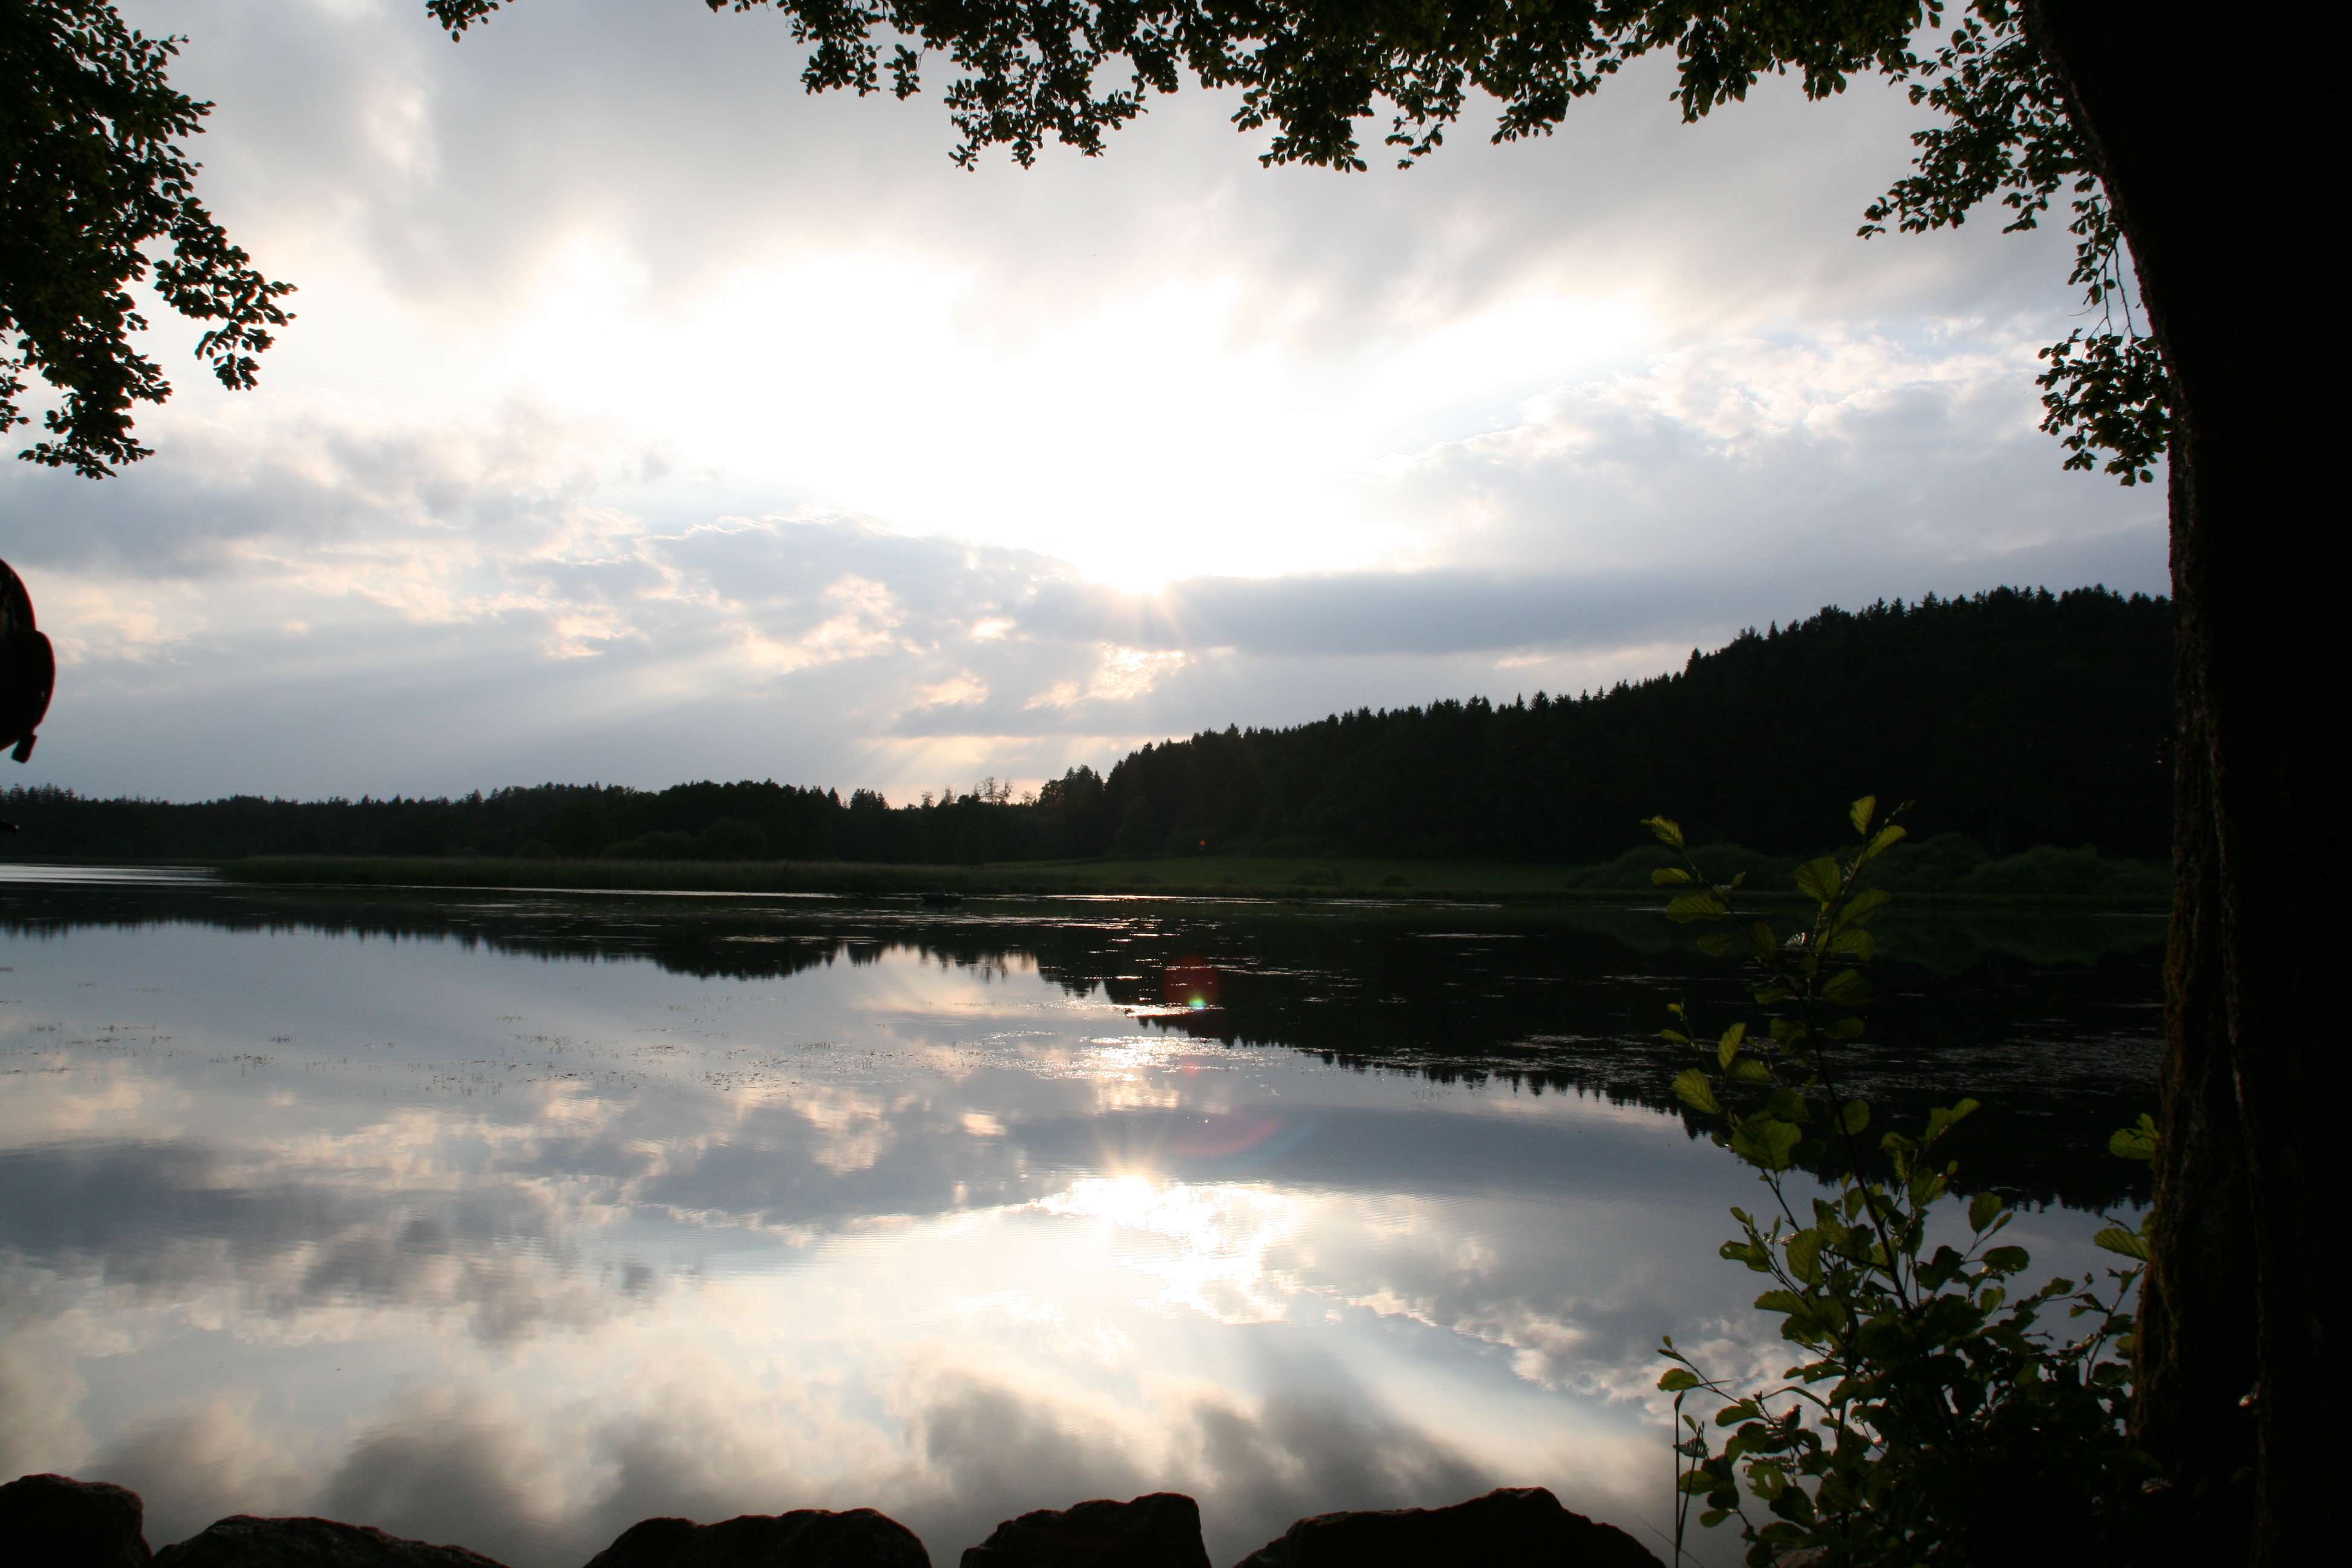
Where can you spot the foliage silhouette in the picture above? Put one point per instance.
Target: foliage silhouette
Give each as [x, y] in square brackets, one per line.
[99, 195]
[1933, 1419]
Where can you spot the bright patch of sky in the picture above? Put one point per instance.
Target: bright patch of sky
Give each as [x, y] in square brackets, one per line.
[645, 420]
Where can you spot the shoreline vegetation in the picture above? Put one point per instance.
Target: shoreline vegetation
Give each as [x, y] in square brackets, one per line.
[1943, 869]
[2013, 719]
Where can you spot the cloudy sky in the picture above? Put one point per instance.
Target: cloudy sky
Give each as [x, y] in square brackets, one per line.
[645, 420]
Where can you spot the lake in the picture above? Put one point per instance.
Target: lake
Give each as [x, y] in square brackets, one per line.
[510, 1218]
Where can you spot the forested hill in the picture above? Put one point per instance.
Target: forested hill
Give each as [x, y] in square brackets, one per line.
[2013, 717]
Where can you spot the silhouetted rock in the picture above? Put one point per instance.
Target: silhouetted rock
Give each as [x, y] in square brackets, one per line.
[1160, 1531]
[245, 1541]
[1503, 1529]
[55, 1519]
[805, 1538]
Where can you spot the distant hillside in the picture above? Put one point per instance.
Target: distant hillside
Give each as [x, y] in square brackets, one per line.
[2013, 717]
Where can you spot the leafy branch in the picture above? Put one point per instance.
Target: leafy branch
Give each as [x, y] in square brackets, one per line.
[93, 179]
[1931, 1408]
[2006, 137]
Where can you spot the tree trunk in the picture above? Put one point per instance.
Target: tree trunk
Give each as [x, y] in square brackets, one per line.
[2193, 141]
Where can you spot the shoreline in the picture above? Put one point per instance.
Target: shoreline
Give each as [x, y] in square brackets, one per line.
[1317, 881]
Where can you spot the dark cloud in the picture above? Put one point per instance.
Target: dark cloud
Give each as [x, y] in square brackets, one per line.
[167, 1219]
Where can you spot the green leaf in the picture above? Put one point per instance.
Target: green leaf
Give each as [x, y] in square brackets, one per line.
[1766, 1141]
[1747, 1069]
[2134, 1142]
[1667, 875]
[1861, 813]
[1854, 942]
[1668, 830]
[1692, 1088]
[1678, 1379]
[1983, 1209]
[2115, 1239]
[1729, 1047]
[1944, 1118]
[1846, 988]
[1698, 905]
[1805, 1256]
[1715, 943]
[1887, 838]
[1862, 906]
[1818, 879]
[2010, 1259]
[1853, 1117]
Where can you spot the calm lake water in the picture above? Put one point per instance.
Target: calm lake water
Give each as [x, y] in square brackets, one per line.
[512, 1218]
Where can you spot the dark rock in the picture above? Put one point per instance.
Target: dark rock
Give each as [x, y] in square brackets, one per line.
[805, 1538]
[1161, 1531]
[242, 1541]
[54, 1519]
[1516, 1525]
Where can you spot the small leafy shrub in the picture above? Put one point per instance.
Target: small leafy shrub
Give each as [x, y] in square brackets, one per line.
[1933, 1416]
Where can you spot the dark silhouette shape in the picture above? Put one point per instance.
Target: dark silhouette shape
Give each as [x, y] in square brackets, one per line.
[54, 1519]
[1516, 1525]
[1158, 1531]
[28, 667]
[245, 1541]
[805, 1538]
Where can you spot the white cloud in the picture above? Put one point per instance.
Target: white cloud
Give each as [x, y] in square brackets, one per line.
[644, 419]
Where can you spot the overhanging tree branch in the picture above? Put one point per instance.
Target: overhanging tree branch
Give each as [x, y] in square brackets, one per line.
[98, 196]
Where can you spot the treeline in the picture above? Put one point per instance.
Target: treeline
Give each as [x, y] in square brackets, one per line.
[2014, 718]
[744, 821]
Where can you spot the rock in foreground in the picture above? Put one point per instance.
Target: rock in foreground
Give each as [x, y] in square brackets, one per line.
[805, 1538]
[1501, 1529]
[1158, 1531]
[54, 1519]
[242, 1541]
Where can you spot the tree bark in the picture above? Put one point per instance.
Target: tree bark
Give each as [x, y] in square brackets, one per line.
[2195, 144]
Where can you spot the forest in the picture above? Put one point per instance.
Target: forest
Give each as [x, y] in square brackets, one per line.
[2013, 717]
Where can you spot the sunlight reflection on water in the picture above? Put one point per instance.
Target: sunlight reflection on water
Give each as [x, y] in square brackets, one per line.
[512, 1234]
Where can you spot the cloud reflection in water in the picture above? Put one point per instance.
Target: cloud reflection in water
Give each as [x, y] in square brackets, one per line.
[594, 1241]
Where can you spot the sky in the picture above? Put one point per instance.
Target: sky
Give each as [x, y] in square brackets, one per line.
[645, 420]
